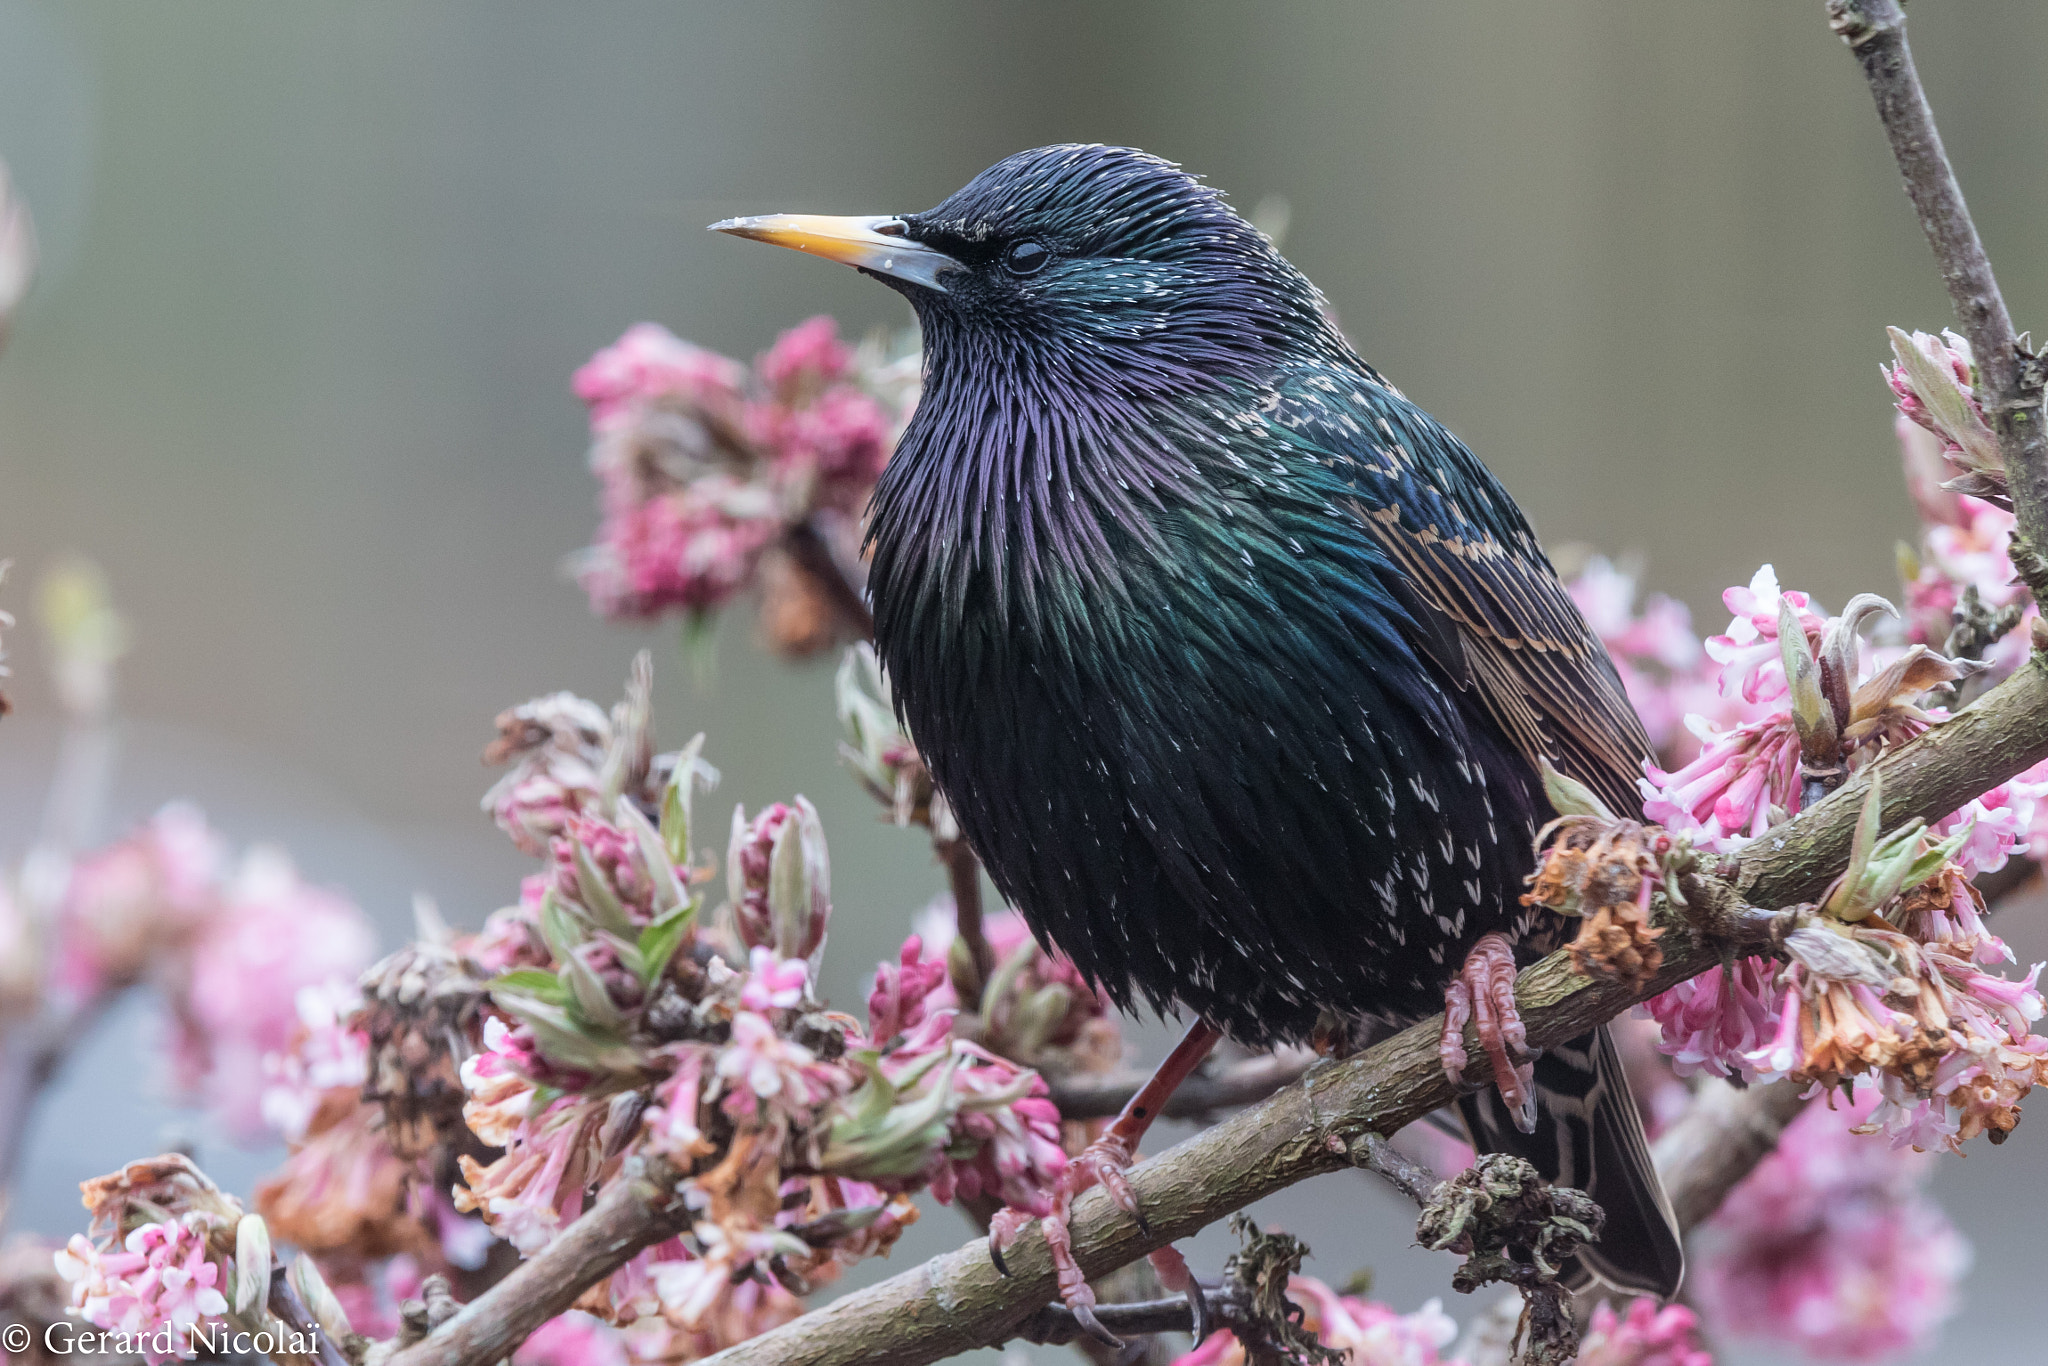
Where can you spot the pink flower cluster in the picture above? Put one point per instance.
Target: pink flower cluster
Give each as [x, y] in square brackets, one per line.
[1746, 774]
[1366, 1332]
[1000, 1134]
[1643, 1335]
[1934, 381]
[1831, 1247]
[1042, 1010]
[132, 905]
[161, 1278]
[270, 935]
[1720, 1021]
[232, 945]
[328, 1053]
[703, 466]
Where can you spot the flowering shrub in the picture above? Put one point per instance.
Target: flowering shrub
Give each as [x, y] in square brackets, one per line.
[1887, 975]
[457, 1106]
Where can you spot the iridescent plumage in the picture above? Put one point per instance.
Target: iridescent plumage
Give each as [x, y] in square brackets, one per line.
[1234, 663]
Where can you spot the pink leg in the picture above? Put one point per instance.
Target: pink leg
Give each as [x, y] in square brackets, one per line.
[1103, 1163]
[1483, 993]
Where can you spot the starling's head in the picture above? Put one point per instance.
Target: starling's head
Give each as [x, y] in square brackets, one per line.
[1099, 256]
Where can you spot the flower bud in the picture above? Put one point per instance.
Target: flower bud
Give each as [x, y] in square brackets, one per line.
[688, 774]
[779, 878]
[1813, 715]
[1935, 379]
[1570, 797]
[252, 1263]
[327, 1311]
[1880, 867]
[877, 1134]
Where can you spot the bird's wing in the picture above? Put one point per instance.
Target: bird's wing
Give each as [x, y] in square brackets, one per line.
[1489, 608]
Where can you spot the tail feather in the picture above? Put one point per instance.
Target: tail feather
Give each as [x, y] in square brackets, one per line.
[1590, 1135]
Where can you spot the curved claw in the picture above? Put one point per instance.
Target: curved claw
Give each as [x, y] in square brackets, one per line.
[995, 1255]
[1084, 1314]
[1198, 1312]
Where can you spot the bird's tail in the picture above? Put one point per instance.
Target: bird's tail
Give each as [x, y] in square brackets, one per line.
[1590, 1135]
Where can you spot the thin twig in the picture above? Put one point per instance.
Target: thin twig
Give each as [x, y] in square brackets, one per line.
[2009, 378]
[1373, 1153]
[1099, 1095]
[812, 552]
[290, 1308]
[963, 877]
[637, 1210]
[32, 1053]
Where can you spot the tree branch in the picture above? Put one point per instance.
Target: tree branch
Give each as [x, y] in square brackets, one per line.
[1722, 1137]
[2009, 378]
[957, 1302]
[1098, 1095]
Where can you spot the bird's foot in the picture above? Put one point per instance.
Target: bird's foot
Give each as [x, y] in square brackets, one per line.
[1483, 994]
[1102, 1163]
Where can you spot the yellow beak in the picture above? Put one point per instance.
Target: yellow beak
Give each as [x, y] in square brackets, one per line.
[872, 244]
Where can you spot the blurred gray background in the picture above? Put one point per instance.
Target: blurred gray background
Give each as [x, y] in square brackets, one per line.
[315, 277]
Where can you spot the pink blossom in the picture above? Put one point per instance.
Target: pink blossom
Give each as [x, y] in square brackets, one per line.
[649, 363]
[691, 547]
[618, 860]
[328, 1052]
[805, 359]
[1748, 651]
[832, 449]
[1718, 1021]
[1972, 550]
[1724, 797]
[536, 1188]
[1831, 1247]
[773, 983]
[135, 897]
[556, 746]
[499, 1081]
[789, 912]
[272, 935]
[1646, 1335]
[764, 1075]
[511, 935]
[1014, 1130]
[1778, 1056]
[904, 990]
[1934, 380]
[672, 1117]
[1998, 821]
[161, 1279]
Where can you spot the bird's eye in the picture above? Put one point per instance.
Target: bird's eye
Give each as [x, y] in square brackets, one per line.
[1026, 257]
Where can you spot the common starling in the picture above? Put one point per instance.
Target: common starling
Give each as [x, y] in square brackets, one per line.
[1237, 668]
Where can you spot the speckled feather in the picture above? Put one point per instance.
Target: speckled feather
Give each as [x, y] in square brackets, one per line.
[1235, 665]
[1233, 661]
